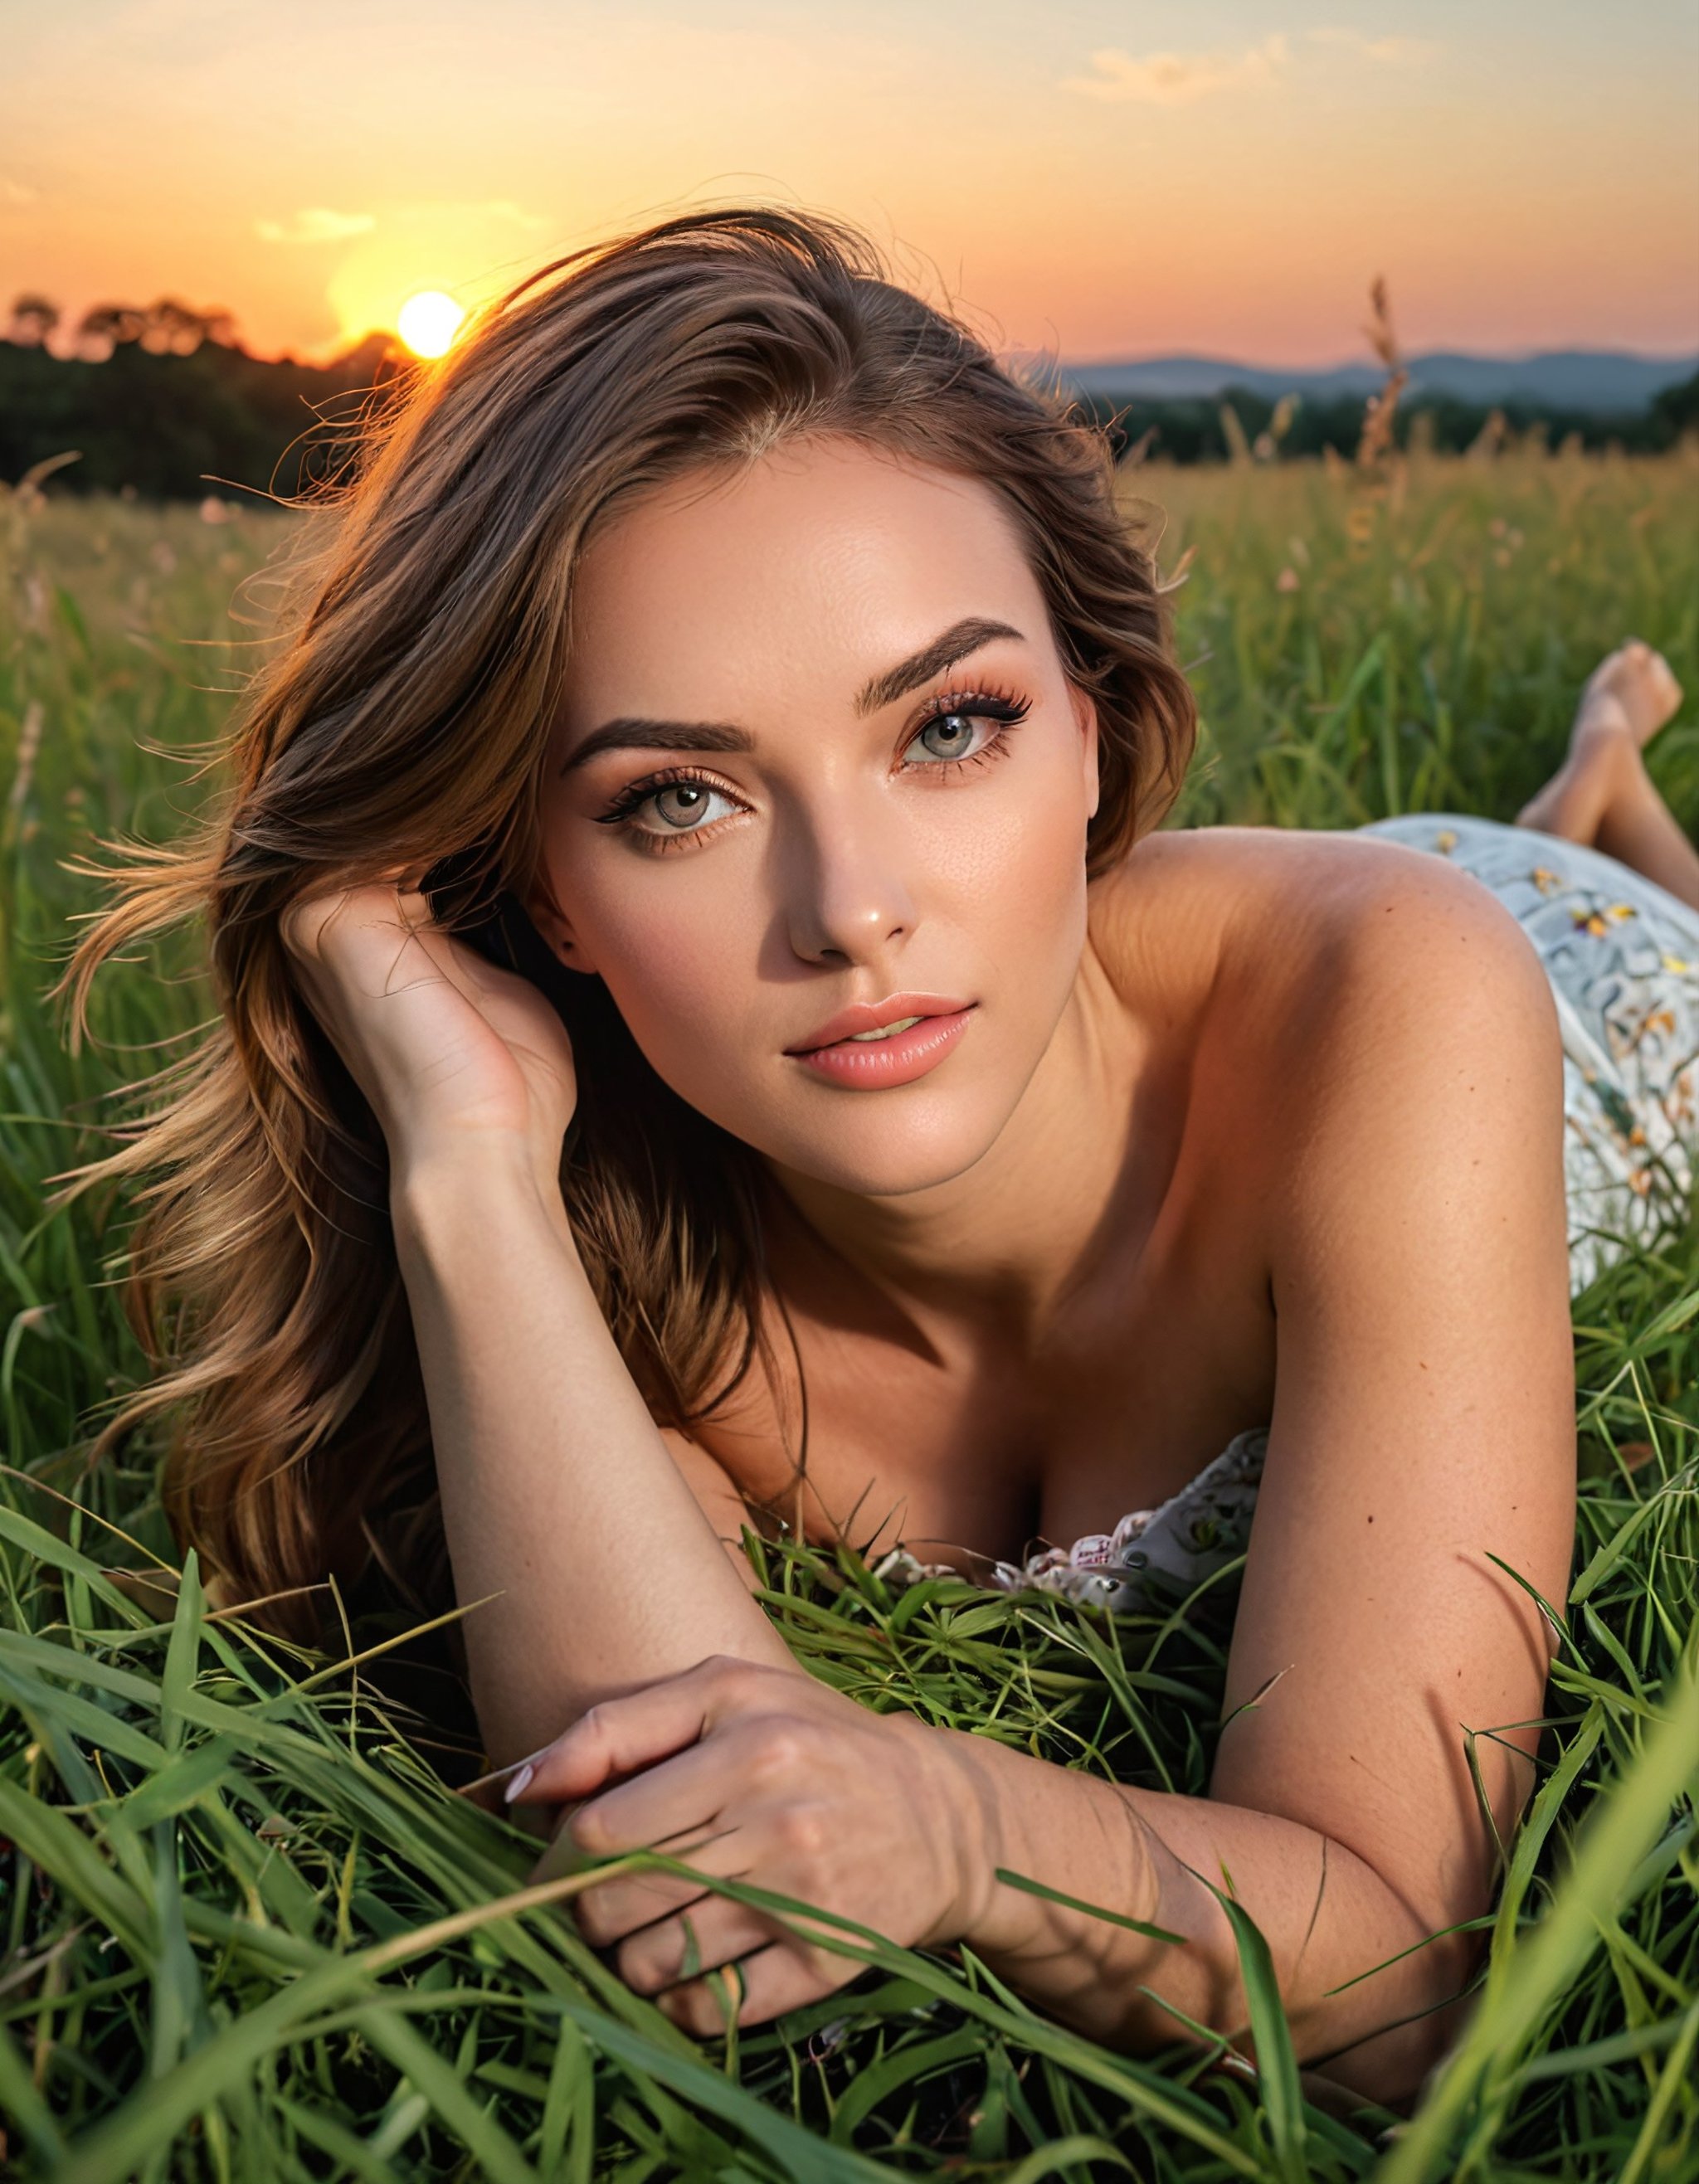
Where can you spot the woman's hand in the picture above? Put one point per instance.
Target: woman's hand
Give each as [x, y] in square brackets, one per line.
[448, 1048]
[784, 1783]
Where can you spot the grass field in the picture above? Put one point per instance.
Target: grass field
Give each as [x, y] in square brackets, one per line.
[247, 1933]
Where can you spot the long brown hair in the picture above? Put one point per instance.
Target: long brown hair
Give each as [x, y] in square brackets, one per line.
[402, 719]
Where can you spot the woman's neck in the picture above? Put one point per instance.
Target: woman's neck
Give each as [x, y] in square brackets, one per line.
[1003, 1243]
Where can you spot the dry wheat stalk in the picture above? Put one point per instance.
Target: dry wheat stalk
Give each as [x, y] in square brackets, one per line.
[1376, 417]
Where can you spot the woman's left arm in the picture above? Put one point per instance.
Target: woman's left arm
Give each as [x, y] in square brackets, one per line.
[1424, 1423]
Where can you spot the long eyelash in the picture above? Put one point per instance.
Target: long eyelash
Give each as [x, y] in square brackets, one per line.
[1001, 706]
[997, 701]
[977, 704]
[636, 792]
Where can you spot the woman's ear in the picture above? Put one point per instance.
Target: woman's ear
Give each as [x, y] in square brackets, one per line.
[555, 928]
[1085, 713]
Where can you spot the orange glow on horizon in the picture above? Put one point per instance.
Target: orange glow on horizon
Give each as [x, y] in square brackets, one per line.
[1232, 198]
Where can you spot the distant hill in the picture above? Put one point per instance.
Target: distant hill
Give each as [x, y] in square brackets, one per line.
[1603, 381]
[171, 427]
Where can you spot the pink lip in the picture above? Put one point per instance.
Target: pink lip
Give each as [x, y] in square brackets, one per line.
[873, 1064]
[868, 1015]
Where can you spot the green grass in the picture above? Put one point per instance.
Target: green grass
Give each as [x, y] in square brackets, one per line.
[247, 1931]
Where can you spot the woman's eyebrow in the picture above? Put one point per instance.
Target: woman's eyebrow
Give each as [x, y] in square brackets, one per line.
[633, 732]
[960, 640]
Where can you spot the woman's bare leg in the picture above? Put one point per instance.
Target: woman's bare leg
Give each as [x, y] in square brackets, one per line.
[1602, 795]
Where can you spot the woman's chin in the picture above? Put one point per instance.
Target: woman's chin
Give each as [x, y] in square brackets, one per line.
[884, 1141]
[889, 1180]
[882, 1153]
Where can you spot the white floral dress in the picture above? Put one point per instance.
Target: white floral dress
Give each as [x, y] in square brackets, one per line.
[1623, 957]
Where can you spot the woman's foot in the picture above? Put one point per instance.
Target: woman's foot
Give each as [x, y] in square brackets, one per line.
[1633, 687]
[1626, 699]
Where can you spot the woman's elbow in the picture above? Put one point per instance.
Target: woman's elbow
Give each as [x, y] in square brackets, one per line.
[1391, 2066]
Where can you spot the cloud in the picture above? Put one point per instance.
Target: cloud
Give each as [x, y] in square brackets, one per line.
[1392, 52]
[16, 193]
[317, 224]
[1175, 79]
[506, 208]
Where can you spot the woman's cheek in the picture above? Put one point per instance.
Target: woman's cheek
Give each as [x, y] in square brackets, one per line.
[684, 981]
[1019, 875]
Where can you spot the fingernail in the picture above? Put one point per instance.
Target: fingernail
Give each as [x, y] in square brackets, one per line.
[516, 1787]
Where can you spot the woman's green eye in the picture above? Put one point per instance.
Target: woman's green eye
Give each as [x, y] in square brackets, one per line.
[954, 732]
[672, 808]
[690, 802]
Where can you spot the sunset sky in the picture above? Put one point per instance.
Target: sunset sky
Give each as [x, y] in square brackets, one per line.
[1099, 180]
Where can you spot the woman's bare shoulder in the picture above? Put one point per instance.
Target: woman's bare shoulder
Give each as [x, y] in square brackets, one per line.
[1311, 975]
[1304, 871]
[1282, 915]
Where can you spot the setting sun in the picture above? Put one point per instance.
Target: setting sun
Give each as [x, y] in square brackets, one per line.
[429, 321]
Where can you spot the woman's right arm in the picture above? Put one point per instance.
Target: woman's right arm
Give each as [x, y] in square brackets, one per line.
[559, 1493]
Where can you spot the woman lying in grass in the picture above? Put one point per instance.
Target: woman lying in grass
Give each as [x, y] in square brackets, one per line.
[888, 1132]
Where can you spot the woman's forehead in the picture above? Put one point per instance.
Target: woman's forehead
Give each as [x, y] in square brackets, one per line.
[827, 494]
[809, 560]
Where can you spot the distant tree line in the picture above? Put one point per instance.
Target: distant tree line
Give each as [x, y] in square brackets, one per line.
[161, 399]
[1238, 423]
[167, 326]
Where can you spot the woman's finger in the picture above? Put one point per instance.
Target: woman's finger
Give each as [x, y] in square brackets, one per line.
[302, 924]
[608, 1914]
[652, 1916]
[564, 1855]
[618, 1737]
[619, 1906]
[698, 1939]
[758, 1987]
[689, 1789]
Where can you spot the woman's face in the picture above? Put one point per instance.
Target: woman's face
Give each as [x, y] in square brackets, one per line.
[788, 777]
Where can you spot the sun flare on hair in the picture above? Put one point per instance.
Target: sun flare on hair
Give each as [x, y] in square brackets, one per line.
[429, 321]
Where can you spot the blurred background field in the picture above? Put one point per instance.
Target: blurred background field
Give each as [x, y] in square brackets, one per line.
[244, 1930]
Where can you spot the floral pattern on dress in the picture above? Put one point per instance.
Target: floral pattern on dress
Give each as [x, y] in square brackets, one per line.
[1623, 957]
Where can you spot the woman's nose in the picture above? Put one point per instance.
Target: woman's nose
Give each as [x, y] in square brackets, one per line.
[848, 898]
